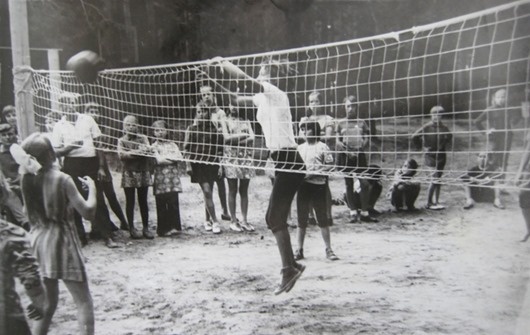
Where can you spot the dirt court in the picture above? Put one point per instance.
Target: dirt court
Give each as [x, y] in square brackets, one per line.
[445, 272]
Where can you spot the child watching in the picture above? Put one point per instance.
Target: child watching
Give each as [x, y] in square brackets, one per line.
[404, 191]
[166, 185]
[434, 136]
[238, 138]
[50, 196]
[133, 148]
[480, 183]
[104, 182]
[9, 116]
[202, 143]
[313, 192]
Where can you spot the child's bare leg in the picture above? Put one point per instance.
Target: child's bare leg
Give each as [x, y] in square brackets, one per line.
[326, 236]
[85, 306]
[208, 199]
[52, 298]
[300, 237]
[232, 195]
[243, 195]
[526, 215]
[221, 191]
[430, 194]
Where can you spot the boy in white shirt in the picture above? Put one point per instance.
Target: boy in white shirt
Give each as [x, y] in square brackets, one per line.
[314, 191]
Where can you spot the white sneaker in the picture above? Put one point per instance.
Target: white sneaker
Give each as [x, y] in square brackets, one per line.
[208, 226]
[235, 227]
[216, 229]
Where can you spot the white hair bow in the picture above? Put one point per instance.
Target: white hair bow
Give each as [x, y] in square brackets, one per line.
[28, 163]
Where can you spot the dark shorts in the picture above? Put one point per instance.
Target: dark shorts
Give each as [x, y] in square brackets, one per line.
[204, 173]
[436, 160]
[352, 162]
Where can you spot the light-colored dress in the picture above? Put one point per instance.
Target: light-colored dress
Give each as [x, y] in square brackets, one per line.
[54, 239]
[238, 159]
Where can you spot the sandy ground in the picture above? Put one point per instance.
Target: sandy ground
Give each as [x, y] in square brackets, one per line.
[446, 272]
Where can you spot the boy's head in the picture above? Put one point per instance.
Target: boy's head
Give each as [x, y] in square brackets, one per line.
[51, 119]
[9, 114]
[202, 111]
[160, 129]
[130, 124]
[482, 160]
[67, 102]
[314, 102]
[312, 131]
[93, 109]
[350, 105]
[207, 95]
[7, 134]
[499, 98]
[410, 167]
[436, 114]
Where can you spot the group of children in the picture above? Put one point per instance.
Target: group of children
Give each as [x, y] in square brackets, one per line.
[219, 145]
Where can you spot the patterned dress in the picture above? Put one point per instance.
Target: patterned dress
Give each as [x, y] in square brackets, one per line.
[166, 176]
[53, 235]
[238, 159]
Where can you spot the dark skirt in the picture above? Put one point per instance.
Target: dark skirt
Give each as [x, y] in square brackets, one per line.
[204, 173]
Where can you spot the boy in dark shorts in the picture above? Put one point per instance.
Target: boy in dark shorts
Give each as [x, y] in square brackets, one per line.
[434, 136]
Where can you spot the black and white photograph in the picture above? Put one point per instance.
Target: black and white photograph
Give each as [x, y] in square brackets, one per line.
[264, 167]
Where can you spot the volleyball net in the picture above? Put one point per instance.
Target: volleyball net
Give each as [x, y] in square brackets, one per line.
[395, 80]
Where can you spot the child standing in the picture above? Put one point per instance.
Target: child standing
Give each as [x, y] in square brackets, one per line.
[133, 149]
[166, 186]
[435, 137]
[313, 192]
[51, 196]
[203, 143]
[405, 191]
[238, 138]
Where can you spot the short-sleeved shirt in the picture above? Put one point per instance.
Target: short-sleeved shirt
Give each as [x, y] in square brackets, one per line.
[274, 116]
[352, 133]
[315, 156]
[435, 137]
[85, 129]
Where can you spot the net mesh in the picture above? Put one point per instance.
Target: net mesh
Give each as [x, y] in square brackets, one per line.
[395, 79]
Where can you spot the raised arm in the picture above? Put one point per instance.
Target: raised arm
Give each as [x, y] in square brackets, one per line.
[236, 73]
[85, 207]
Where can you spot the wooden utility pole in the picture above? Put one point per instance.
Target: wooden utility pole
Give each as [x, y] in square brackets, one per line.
[22, 74]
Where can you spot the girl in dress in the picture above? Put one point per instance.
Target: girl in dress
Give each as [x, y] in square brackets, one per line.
[51, 197]
[238, 138]
[166, 186]
[203, 143]
[133, 148]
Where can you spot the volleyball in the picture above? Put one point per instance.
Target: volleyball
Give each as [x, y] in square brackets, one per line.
[86, 65]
